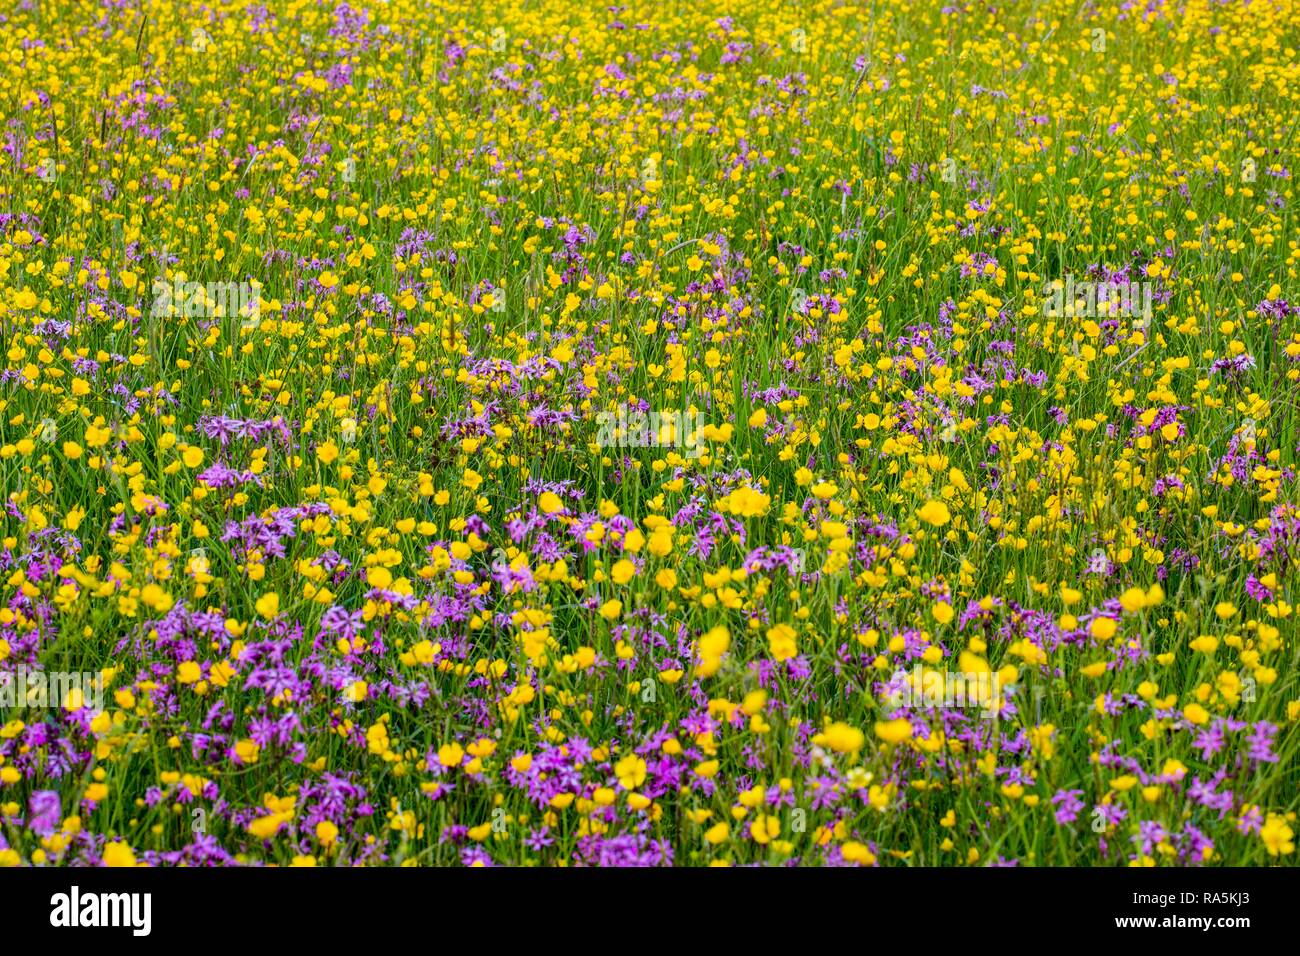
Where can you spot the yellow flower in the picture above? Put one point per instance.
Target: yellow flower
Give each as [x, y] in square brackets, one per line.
[630, 771]
[894, 731]
[549, 503]
[188, 672]
[824, 490]
[1103, 628]
[781, 642]
[764, 828]
[268, 605]
[450, 755]
[118, 854]
[1134, 599]
[247, 751]
[934, 513]
[661, 542]
[623, 571]
[856, 852]
[267, 826]
[841, 737]
[1277, 836]
[712, 646]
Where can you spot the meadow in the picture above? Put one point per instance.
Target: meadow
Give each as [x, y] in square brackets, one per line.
[545, 433]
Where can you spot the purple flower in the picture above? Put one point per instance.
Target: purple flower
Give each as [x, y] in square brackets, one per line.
[1260, 743]
[44, 812]
[539, 839]
[1067, 805]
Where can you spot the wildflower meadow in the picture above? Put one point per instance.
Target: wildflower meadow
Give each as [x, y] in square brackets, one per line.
[728, 432]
